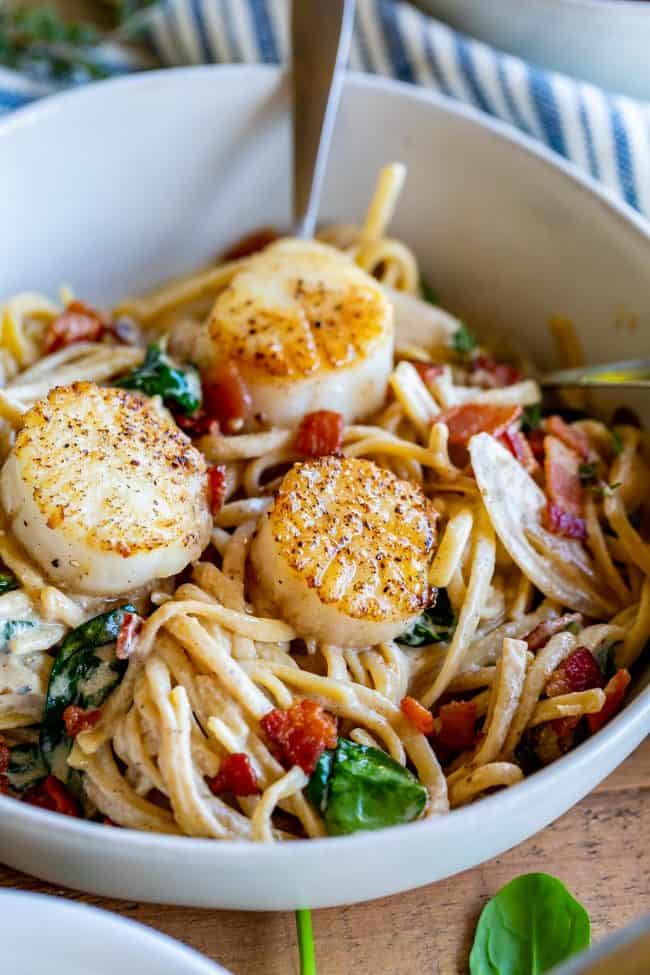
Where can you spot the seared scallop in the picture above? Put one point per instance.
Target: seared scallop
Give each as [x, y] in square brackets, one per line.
[308, 330]
[343, 554]
[104, 491]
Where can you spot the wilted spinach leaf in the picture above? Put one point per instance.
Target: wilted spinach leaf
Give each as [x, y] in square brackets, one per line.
[435, 625]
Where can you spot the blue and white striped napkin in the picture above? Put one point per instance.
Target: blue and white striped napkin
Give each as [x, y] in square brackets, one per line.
[605, 134]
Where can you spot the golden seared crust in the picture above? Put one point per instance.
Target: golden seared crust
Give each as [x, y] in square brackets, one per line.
[360, 537]
[299, 309]
[110, 469]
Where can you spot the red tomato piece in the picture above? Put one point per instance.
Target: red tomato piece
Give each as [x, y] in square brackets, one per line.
[78, 323]
[77, 720]
[427, 371]
[519, 447]
[251, 243]
[236, 775]
[131, 626]
[52, 794]
[561, 522]
[570, 436]
[456, 725]
[542, 633]
[419, 716]
[615, 692]
[466, 421]
[216, 487]
[320, 433]
[502, 373]
[301, 734]
[579, 672]
[226, 397]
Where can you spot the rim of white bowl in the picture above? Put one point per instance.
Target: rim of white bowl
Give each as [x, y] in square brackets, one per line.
[142, 936]
[635, 716]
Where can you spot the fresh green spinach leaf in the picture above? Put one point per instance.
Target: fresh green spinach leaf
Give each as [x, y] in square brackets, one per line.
[178, 387]
[435, 625]
[8, 582]
[84, 673]
[464, 341]
[532, 417]
[26, 766]
[530, 926]
[360, 788]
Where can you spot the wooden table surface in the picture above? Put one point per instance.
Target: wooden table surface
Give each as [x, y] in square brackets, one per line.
[600, 849]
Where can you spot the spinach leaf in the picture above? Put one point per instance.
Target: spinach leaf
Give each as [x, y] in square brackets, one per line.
[434, 625]
[464, 341]
[530, 926]
[8, 582]
[532, 417]
[360, 788]
[428, 294]
[159, 376]
[26, 766]
[85, 671]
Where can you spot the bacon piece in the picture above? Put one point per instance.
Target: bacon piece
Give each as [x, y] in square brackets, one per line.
[320, 433]
[250, 244]
[573, 438]
[78, 323]
[226, 397]
[519, 447]
[564, 728]
[198, 424]
[216, 487]
[542, 633]
[466, 421]
[455, 726]
[301, 734]
[501, 373]
[5, 757]
[53, 795]
[427, 371]
[614, 694]
[561, 469]
[561, 522]
[236, 775]
[131, 626]
[579, 672]
[419, 716]
[536, 441]
[77, 720]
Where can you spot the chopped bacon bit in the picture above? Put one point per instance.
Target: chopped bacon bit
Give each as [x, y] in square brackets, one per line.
[519, 447]
[536, 441]
[427, 371]
[236, 775]
[4, 784]
[579, 672]
[564, 728]
[77, 720]
[560, 522]
[250, 244]
[466, 421]
[573, 438]
[5, 757]
[53, 795]
[542, 633]
[456, 725]
[320, 433]
[131, 626]
[301, 734]
[198, 424]
[614, 693]
[216, 487]
[226, 397]
[501, 373]
[78, 323]
[419, 716]
[561, 469]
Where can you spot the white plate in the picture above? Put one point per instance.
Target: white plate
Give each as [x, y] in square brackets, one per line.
[115, 187]
[52, 935]
[602, 41]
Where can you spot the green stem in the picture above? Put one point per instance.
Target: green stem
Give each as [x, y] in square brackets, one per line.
[305, 943]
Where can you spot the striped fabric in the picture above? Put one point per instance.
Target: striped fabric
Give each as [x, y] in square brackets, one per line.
[606, 135]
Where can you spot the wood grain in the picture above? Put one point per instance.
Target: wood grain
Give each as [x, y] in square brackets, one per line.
[600, 849]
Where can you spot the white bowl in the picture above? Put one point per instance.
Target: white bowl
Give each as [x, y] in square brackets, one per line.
[81, 940]
[602, 41]
[117, 186]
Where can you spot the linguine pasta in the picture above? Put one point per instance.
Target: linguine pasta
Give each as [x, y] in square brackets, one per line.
[478, 693]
